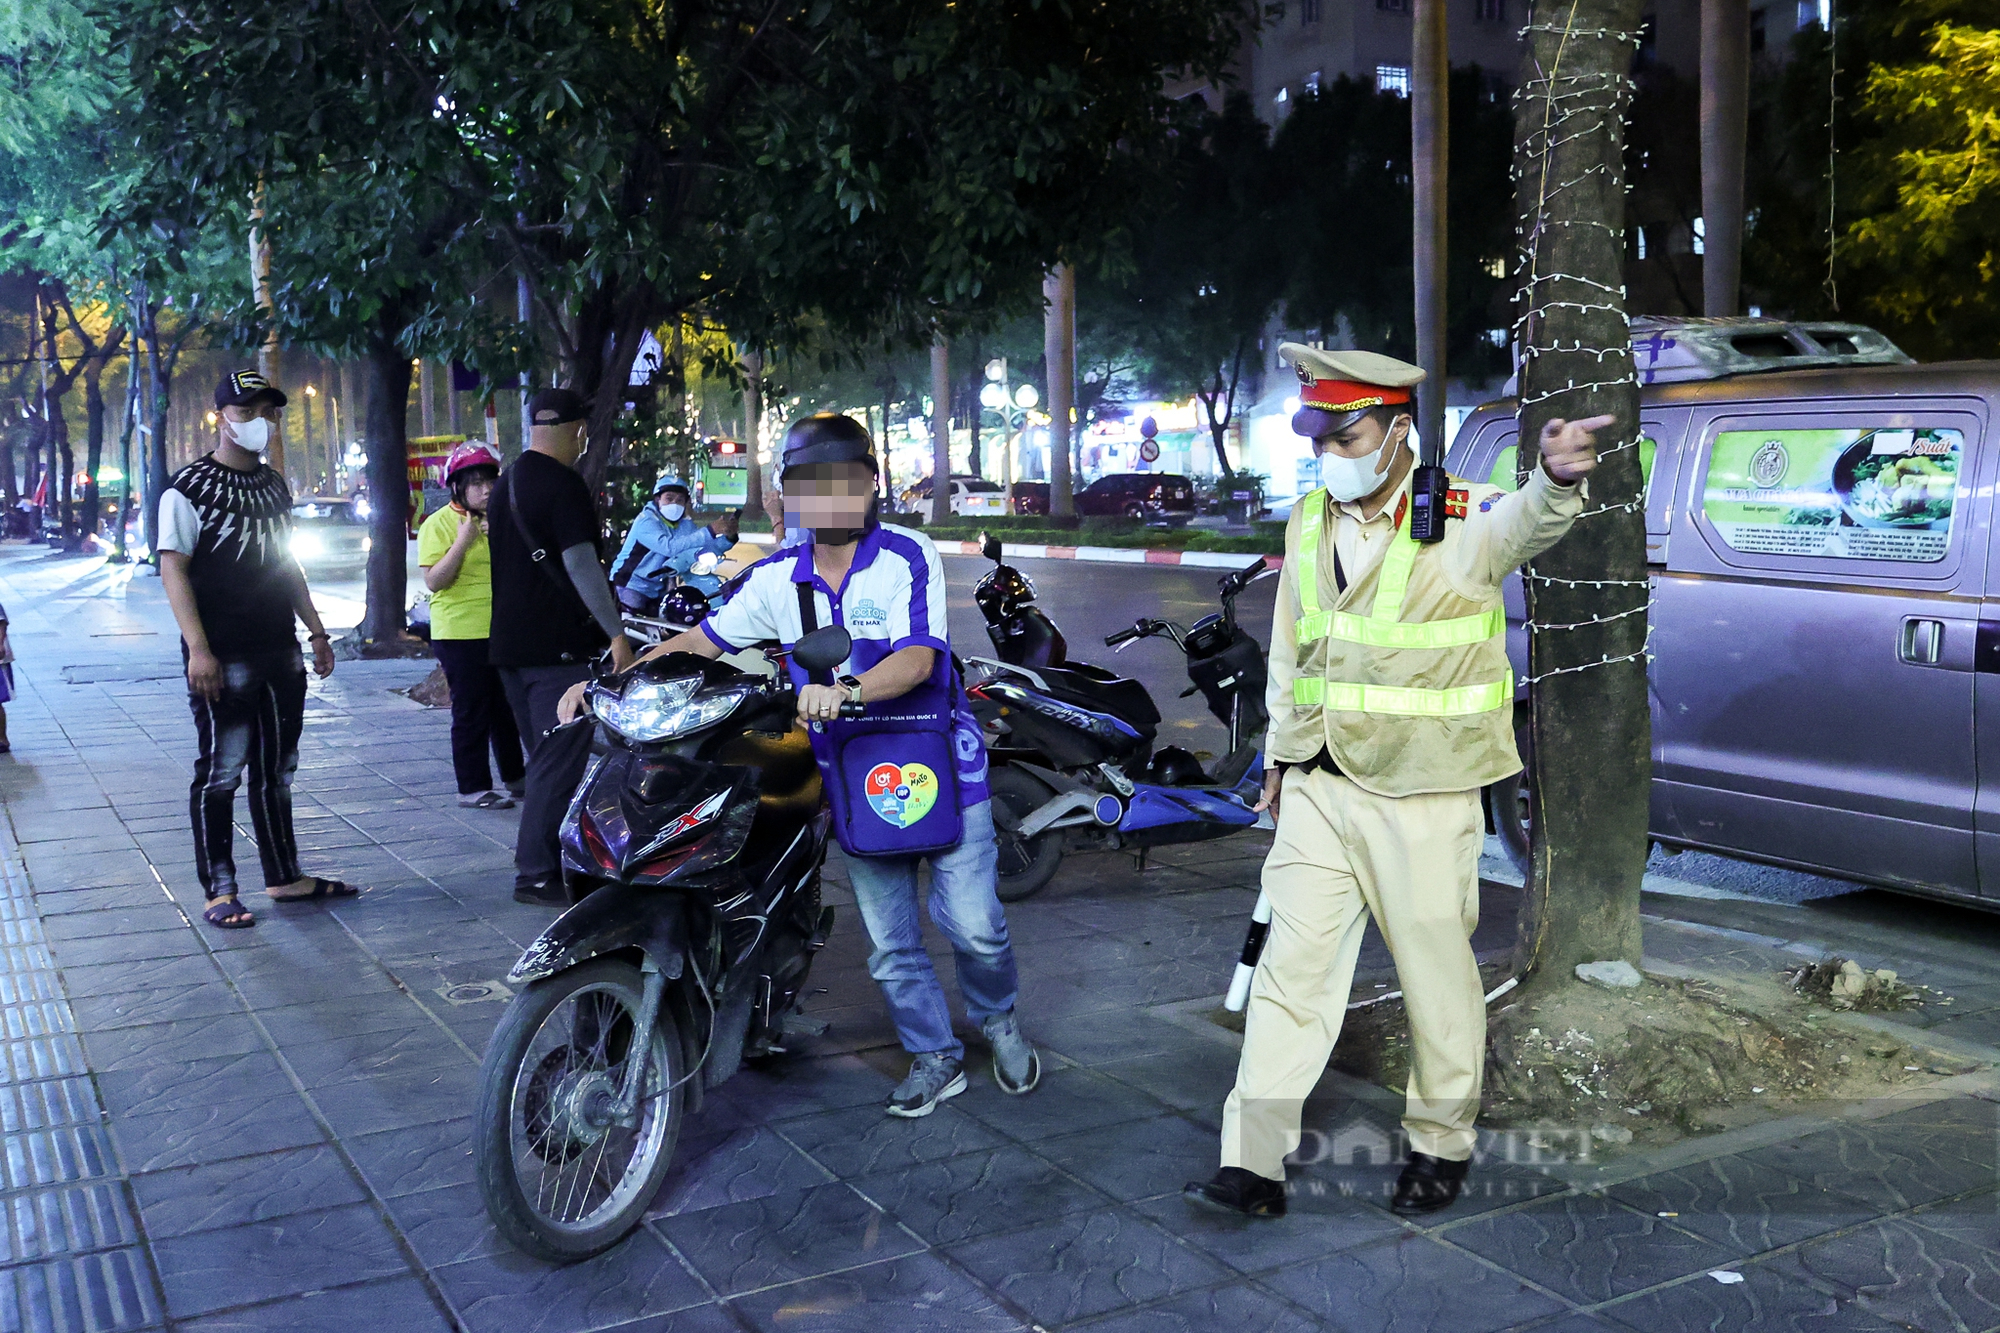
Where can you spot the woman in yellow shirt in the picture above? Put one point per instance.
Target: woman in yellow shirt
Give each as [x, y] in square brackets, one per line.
[458, 569]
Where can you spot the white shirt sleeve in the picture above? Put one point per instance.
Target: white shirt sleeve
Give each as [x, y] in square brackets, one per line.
[180, 525]
[749, 616]
[916, 605]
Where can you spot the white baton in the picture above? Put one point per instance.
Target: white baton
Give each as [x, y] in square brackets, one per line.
[1253, 949]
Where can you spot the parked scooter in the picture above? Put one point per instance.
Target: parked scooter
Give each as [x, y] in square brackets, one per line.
[1074, 767]
[692, 852]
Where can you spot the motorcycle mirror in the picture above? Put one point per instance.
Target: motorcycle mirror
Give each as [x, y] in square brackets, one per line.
[823, 649]
[989, 546]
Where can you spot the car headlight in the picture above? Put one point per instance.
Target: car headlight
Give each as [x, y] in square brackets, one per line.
[660, 710]
[307, 545]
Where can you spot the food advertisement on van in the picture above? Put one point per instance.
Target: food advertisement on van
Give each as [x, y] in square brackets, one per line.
[1884, 494]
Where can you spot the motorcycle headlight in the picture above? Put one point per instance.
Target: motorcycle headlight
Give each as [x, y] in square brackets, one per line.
[660, 710]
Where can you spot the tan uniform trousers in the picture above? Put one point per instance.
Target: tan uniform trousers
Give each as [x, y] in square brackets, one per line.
[1411, 862]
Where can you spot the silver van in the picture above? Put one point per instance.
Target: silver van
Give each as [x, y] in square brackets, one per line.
[1818, 541]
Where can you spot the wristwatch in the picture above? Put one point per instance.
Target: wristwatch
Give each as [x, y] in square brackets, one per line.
[852, 685]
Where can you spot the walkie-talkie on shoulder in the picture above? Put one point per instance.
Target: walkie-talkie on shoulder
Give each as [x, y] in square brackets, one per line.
[1429, 490]
[1428, 485]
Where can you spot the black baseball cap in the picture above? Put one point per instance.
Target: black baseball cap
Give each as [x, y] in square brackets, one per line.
[240, 388]
[557, 407]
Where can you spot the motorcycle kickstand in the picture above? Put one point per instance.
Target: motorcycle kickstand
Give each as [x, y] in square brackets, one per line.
[642, 1043]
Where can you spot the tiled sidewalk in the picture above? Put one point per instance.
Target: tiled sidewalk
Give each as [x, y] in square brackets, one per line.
[266, 1129]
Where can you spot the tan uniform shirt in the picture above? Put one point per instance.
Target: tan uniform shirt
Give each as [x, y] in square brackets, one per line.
[1479, 552]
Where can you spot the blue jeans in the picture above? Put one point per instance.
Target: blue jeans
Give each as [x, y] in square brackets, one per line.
[967, 909]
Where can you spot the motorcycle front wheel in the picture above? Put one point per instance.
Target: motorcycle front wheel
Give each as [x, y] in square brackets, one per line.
[1025, 864]
[562, 1176]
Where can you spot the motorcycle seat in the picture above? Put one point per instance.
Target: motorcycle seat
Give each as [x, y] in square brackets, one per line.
[1093, 687]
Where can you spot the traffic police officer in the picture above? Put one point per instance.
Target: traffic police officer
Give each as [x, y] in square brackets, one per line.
[1391, 700]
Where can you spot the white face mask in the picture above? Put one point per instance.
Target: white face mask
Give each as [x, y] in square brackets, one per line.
[254, 434]
[1351, 479]
[673, 513]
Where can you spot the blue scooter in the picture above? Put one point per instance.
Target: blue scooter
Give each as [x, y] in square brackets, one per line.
[1074, 766]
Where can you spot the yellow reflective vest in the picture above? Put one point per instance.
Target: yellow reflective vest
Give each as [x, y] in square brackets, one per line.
[1403, 677]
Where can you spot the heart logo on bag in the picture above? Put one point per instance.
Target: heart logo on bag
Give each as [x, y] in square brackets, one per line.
[901, 793]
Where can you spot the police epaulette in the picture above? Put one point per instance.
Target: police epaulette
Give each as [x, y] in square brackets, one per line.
[1456, 499]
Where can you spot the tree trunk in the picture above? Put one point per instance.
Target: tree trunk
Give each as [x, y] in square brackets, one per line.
[610, 324]
[1725, 128]
[157, 376]
[1430, 149]
[388, 489]
[940, 429]
[753, 430]
[93, 451]
[976, 377]
[1059, 344]
[126, 429]
[1591, 741]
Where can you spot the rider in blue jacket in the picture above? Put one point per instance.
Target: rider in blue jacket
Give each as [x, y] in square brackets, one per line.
[665, 540]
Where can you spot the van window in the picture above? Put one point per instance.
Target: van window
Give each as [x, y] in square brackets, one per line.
[1855, 494]
[1506, 465]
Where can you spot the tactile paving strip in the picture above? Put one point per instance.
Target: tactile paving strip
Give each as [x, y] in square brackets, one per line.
[71, 1254]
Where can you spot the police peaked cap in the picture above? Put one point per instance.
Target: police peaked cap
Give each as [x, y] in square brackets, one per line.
[1336, 387]
[828, 437]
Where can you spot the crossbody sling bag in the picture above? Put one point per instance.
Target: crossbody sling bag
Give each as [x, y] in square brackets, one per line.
[538, 555]
[891, 775]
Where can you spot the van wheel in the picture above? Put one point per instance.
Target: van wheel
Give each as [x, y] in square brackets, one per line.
[1025, 864]
[1511, 800]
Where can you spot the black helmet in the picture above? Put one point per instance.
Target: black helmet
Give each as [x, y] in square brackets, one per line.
[828, 437]
[684, 606]
[1174, 767]
[1002, 592]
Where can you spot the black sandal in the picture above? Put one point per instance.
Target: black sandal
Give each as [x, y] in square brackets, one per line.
[229, 914]
[322, 888]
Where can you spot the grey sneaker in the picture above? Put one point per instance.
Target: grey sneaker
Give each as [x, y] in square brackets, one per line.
[934, 1076]
[1017, 1067]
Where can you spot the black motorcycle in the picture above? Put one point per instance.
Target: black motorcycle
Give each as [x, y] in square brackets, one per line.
[692, 854]
[1071, 745]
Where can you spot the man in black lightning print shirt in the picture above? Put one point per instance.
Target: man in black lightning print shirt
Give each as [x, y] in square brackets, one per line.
[226, 560]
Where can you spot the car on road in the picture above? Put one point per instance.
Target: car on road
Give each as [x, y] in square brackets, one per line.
[329, 532]
[969, 495]
[1825, 608]
[1148, 497]
[1031, 497]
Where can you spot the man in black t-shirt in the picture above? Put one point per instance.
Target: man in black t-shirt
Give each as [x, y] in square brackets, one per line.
[553, 613]
[226, 560]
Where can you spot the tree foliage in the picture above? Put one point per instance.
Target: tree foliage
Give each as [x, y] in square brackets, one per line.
[1899, 232]
[874, 167]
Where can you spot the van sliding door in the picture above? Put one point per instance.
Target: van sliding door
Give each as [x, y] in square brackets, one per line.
[1815, 633]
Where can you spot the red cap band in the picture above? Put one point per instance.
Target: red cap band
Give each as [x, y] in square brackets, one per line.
[1350, 396]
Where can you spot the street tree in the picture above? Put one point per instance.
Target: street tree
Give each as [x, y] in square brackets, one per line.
[1344, 221]
[331, 118]
[1871, 193]
[1934, 240]
[1588, 729]
[1208, 265]
[902, 169]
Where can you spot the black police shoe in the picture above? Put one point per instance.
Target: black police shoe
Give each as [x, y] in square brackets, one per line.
[1235, 1190]
[1427, 1184]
